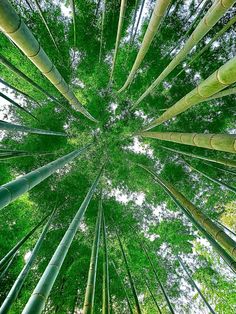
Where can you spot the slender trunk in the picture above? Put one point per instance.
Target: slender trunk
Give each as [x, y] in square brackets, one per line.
[21, 128]
[195, 215]
[131, 281]
[133, 22]
[19, 91]
[45, 23]
[20, 155]
[123, 287]
[139, 18]
[157, 277]
[13, 293]
[153, 297]
[72, 6]
[225, 162]
[88, 307]
[216, 11]
[118, 36]
[102, 29]
[226, 228]
[195, 285]
[223, 77]
[14, 27]
[221, 142]
[7, 267]
[105, 287]
[97, 7]
[14, 189]
[153, 26]
[220, 183]
[37, 301]
[9, 255]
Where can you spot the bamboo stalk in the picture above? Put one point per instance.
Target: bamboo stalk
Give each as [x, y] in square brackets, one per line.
[14, 27]
[72, 6]
[139, 18]
[37, 301]
[222, 161]
[226, 257]
[88, 307]
[15, 289]
[7, 267]
[223, 77]
[14, 189]
[153, 297]
[153, 26]
[105, 286]
[216, 11]
[102, 29]
[221, 142]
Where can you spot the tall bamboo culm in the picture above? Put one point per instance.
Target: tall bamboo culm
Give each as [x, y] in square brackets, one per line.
[216, 11]
[14, 189]
[14, 27]
[106, 281]
[221, 142]
[156, 18]
[37, 301]
[88, 307]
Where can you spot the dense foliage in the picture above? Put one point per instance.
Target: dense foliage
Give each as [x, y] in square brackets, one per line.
[134, 205]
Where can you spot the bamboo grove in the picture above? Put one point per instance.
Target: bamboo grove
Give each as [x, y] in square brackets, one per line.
[117, 156]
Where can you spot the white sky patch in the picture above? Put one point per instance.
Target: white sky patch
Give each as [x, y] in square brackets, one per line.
[112, 107]
[124, 198]
[140, 148]
[27, 256]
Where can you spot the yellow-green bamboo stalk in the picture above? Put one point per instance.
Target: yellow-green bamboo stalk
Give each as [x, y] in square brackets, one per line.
[222, 142]
[88, 307]
[118, 36]
[105, 285]
[208, 225]
[159, 11]
[223, 77]
[216, 11]
[222, 161]
[14, 27]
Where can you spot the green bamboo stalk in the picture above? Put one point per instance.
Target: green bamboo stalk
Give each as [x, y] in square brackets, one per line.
[216, 11]
[214, 38]
[45, 23]
[153, 297]
[220, 169]
[223, 77]
[9, 255]
[105, 286]
[222, 161]
[72, 6]
[21, 128]
[14, 189]
[19, 91]
[17, 105]
[224, 227]
[226, 257]
[102, 29]
[210, 227]
[153, 26]
[20, 155]
[157, 277]
[139, 18]
[88, 307]
[220, 183]
[37, 301]
[133, 22]
[118, 35]
[14, 27]
[15, 289]
[123, 287]
[7, 267]
[13, 69]
[221, 142]
[195, 285]
[131, 281]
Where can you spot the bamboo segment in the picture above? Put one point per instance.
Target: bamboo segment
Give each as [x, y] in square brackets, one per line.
[20, 128]
[14, 189]
[4, 272]
[88, 307]
[217, 81]
[15, 289]
[37, 301]
[222, 161]
[45, 23]
[216, 11]
[131, 281]
[139, 18]
[72, 6]
[166, 186]
[222, 142]
[14, 27]
[133, 22]
[102, 29]
[195, 285]
[118, 36]
[9, 255]
[159, 11]
[220, 183]
[105, 286]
